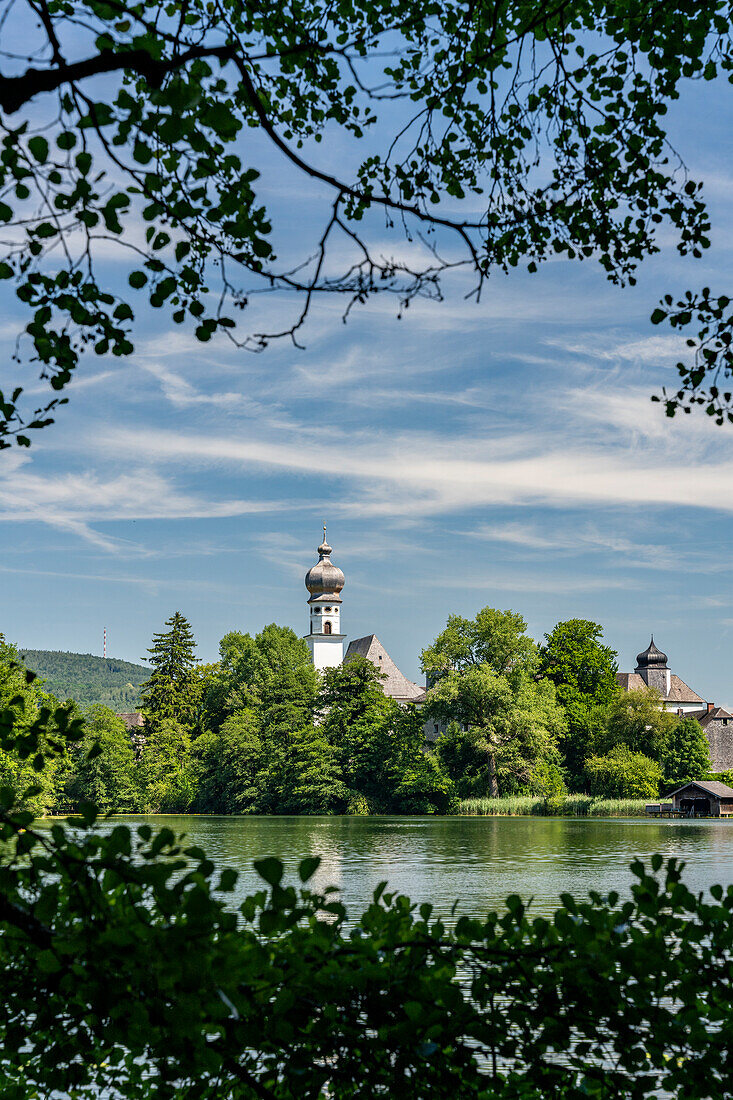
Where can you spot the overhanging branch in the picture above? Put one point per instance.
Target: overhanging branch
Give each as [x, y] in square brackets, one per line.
[16, 91]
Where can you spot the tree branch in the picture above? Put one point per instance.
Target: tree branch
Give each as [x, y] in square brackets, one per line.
[15, 91]
[315, 173]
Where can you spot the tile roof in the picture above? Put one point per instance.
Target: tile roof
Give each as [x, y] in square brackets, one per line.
[708, 716]
[132, 720]
[395, 684]
[679, 692]
[719, 790]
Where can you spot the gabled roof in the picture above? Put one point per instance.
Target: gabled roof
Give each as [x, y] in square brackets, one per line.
[395, 684]
[713, 715]
[679, 692]
[132, 719]
[719, 790]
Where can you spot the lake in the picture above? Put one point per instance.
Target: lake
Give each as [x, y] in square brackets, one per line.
[477, 860]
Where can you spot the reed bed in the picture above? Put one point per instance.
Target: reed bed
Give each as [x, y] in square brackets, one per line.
[571, 805]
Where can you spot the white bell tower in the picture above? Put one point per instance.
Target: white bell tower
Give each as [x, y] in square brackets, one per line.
[324, 581]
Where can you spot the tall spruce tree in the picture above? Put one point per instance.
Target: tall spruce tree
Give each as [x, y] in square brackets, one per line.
[173, 691]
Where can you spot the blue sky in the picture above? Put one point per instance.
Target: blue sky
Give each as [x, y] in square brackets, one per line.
[503, 454]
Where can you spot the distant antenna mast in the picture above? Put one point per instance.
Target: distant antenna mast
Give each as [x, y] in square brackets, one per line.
[105, 641]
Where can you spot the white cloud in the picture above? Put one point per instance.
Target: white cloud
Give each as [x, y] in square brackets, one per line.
[655, 350]
[423, 473]
[72, 502]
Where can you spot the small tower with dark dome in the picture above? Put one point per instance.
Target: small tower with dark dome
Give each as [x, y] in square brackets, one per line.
[324, 582]
[651, 665]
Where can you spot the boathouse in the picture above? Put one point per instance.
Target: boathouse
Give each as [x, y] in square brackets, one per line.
[703, 799]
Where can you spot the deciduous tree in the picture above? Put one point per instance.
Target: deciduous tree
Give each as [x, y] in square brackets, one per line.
[230, 766]
[621, 773]
[271, 673]
[103, 767]
[166, 769]
[638, 719]
[513, 722]
[494, 639]
[583, 671]
[686, 754]
[490, 135]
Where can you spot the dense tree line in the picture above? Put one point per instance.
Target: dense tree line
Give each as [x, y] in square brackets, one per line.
[260, 731]
[525, 718]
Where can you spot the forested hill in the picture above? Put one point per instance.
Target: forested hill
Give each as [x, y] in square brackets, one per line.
[88, 679]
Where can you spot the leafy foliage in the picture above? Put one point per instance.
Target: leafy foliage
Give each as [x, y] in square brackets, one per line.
[622, 773]
[686, 755]
[502, 721]
[583, 671]
[102, 765]
[495, 134]
[286, 997]
[271, 673]
[165, 767]
[637, 719]
[708, 380]
[261, 732]
[37, 725]
[495, 639]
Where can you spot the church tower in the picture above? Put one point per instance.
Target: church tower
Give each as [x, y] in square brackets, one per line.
[651, 665]
[324, 581]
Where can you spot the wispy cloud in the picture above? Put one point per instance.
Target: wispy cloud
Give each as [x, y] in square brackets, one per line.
[423, 473]
[74, 502]
[574, 540]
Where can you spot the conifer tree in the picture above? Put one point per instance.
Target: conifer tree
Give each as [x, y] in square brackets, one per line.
[173, 690]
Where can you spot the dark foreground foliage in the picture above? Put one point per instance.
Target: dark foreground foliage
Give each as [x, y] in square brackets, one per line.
[127, 974]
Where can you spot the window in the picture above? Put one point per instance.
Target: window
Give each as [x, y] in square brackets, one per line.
[326, 628]
[316, 610]
[725, 721]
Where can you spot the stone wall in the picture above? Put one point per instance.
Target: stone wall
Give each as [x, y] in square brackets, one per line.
[720, 739]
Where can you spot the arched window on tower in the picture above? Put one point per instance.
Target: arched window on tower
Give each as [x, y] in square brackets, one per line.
[326, 628]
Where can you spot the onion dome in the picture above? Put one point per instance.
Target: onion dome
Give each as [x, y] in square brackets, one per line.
[651, 658]
[324, 578]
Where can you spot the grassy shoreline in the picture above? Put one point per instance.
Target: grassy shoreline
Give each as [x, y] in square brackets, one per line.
[571, 805]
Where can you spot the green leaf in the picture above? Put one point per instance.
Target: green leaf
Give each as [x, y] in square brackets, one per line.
[658, 316]
[39, 148]
[137, 279]
[308, 867]
[228, 879]
[270, 869]
[261, 248]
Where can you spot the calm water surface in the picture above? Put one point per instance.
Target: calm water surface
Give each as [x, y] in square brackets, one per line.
[477, 860]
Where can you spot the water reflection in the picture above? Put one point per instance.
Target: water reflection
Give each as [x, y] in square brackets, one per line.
[475, 860]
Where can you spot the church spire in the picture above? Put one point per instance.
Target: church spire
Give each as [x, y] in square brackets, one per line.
[324, 582]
